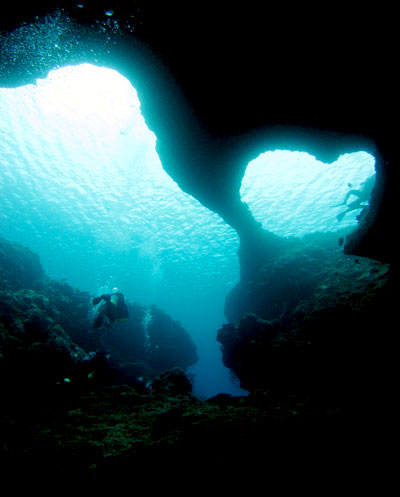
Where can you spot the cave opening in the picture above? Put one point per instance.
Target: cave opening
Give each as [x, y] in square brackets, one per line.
[83, 187]
[293, 194]
[93, 200]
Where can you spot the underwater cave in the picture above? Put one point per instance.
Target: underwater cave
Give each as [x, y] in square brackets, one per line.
[233, 203]
[83, 187]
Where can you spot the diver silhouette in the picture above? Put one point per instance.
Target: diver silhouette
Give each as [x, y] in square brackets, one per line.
[113, 308]
[363, 195]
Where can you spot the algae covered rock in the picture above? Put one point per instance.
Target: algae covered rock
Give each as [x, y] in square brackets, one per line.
[282, 280]
[170, 344]
[325, 345]
[46, 337]
[173, 382]
[19, 267]
[37, 353]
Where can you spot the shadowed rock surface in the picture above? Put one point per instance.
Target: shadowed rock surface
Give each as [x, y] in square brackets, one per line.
[51, 359]
[310, 321]
[311, 373]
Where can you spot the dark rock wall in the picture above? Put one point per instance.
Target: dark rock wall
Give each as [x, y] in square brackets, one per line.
[146, 350]
[19, 267]
[329, 340]
[47, 342]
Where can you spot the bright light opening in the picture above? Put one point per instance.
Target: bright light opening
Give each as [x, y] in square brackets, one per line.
[81, 180]
[294, 194]
[81, 184]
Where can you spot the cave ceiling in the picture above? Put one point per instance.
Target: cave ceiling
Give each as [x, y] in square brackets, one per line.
[221, 82]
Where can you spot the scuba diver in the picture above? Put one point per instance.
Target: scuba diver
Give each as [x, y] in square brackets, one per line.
[113, 308]
[363, 195]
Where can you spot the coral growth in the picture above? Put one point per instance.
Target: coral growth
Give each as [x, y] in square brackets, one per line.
[309, 323]
[46, 339]
[75, 404]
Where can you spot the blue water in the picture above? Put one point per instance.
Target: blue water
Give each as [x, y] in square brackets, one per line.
[81, 185]
[293, 193]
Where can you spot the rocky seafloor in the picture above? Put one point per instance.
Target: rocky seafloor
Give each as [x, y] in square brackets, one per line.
[310, 342]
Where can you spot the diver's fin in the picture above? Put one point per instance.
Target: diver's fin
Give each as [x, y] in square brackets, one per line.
[340, 216]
